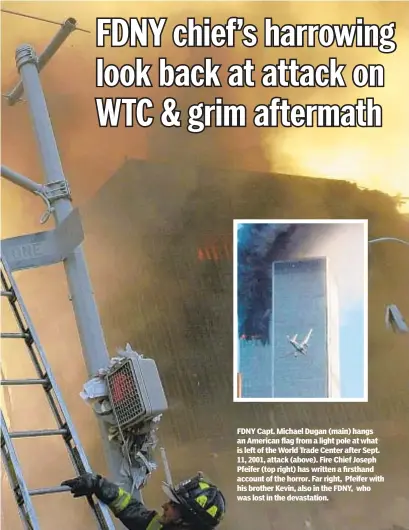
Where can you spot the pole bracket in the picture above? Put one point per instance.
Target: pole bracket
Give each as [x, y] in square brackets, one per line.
[59, 189]
[26, 54]
[51, 192]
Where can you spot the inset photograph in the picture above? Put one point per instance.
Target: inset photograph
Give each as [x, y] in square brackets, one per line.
[300, 310]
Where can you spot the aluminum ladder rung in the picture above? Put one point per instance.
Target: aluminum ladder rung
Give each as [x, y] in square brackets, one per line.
[47, 491]
[64, 428]
[17, 483]
[23, 382]
[35, 434]
[15, 335]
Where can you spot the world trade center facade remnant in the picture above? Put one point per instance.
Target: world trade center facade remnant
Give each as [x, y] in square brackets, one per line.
[304, 297]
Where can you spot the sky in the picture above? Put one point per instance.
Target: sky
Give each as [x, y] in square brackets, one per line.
[351, 347]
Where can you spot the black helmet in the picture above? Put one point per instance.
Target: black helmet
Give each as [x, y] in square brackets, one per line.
[201, 502]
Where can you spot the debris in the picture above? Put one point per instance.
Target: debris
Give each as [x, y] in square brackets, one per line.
[138, 441]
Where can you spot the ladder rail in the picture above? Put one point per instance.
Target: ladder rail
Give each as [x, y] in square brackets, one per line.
[7, 282]
[29, 518]
[60, 412]
[38, 358]
[45, 364]
[41, 369]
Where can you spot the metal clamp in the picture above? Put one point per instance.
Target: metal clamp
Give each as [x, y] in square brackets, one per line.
[25, 54]
[58, 189]
[51, 192]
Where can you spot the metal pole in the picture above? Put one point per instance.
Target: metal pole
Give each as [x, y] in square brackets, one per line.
[21, 180]
[66, 29]
[379, 239]
[398, 320]
[84, 305]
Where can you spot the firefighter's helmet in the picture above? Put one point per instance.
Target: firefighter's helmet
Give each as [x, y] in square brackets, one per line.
[201, 502]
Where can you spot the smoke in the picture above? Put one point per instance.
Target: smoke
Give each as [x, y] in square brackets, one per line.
[69, 84]
[256, 246]
[344, 246]
[261, 244]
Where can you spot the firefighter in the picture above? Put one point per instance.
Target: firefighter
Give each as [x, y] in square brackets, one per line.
[194, 504]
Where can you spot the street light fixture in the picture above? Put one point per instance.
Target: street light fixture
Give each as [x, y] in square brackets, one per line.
[394, 320]
[393, 317]
[379, 239]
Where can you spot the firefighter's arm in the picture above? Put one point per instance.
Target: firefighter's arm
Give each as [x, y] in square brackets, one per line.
[131, 512]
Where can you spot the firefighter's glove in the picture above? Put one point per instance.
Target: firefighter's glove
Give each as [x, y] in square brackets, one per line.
[83, 485]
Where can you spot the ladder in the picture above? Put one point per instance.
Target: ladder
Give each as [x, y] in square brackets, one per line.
[65, 427]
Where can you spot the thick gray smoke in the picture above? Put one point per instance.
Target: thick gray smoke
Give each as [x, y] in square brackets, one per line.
[261, 244]
[345, 248]
[257, 243]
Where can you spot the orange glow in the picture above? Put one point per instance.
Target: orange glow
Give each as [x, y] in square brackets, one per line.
[215, 252]
[355, 163]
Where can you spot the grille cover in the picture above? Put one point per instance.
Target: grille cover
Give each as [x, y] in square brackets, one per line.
[135, 391]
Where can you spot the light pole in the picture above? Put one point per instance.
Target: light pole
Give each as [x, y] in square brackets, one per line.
[379, 239]
[56, 186]
[393, 317]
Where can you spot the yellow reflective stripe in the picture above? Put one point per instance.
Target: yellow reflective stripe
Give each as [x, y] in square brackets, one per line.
[154, 524]
[212, 511]
[121, 502]
[201, 500]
